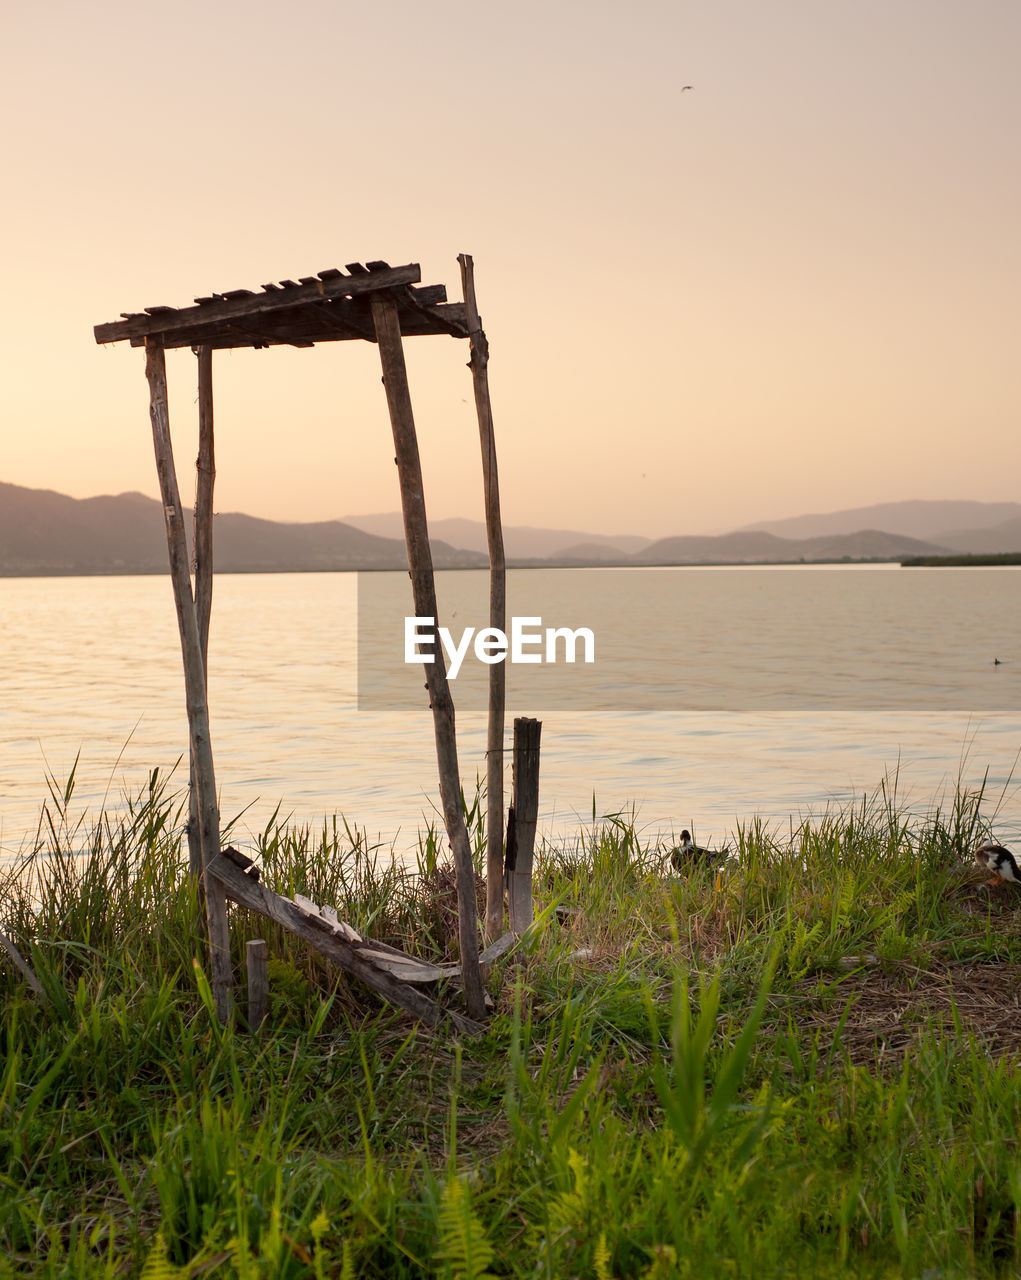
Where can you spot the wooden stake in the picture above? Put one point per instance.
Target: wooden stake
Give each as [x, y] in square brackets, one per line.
[258, 983]
[479, 365]
[527, 734]
[416, 533]
[194, 676]
[202, 547]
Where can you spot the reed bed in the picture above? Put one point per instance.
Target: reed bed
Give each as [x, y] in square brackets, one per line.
[803, 1062]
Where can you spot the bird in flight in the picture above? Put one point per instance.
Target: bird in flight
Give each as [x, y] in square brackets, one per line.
[686, 87]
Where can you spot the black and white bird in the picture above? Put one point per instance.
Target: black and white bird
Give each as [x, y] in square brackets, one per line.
[998, 860]
[688, 854]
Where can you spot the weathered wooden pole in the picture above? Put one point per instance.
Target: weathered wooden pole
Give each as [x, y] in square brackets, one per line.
[479, 365]
[202, 551]
[194, 677]
[416, 532]
[258, 982]
[527, 734]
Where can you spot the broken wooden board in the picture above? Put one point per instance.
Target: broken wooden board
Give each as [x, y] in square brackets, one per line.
[330, 940]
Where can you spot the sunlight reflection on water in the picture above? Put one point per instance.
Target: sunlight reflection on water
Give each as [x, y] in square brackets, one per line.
[92, 664]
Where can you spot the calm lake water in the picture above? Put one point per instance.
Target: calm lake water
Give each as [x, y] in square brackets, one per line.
[722, 695]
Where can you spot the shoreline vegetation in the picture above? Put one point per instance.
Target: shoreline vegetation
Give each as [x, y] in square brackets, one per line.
[961, 562]
[804, 1062]
[555, 562]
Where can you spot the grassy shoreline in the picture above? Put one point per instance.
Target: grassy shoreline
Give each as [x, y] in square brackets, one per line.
[804, 1065]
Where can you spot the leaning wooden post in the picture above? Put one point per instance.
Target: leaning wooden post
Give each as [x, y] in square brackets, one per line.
[194, 676]
[202, 549]
[526, 814]
[416, 532]
[479, 365]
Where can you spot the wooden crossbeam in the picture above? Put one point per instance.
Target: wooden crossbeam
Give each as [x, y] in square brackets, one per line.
[412, 300]
[298, 327]
[209, 313]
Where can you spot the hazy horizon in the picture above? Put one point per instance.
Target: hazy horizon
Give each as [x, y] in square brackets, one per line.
[787, 290]
[370, 518]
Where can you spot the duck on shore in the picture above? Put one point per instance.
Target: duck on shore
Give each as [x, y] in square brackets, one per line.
[999, 860]
[688, 854]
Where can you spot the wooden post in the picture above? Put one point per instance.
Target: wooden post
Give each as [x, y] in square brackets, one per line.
[202, 550]
[416, 533]
[526, 814]
[258, 983]
[194, 676]
[479, 365]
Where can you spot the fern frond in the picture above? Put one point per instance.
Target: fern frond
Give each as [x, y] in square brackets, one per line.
[463, 1248]
[601, 1258]
[159, 1267]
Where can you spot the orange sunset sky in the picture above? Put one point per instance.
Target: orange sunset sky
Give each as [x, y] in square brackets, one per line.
[792, 288]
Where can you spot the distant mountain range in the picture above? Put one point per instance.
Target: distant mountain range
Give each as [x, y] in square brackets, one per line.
[42, 532]
[519, 541]
[961, 526]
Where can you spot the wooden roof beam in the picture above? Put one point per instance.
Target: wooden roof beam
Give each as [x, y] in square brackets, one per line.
[412, 299]
[236, 308]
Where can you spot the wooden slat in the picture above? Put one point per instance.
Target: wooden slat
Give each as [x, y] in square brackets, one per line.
[340, 323]
[240, 860]
[257, 304]
[498, 948]
[410, 300]
[355, 268]
[428, 295]
[254, 334]
[378, 265]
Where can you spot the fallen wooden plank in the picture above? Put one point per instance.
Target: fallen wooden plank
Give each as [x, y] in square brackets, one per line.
[319, 934]
[407, 968]
[498, 948]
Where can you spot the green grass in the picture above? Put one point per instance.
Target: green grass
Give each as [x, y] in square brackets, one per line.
[802, 1065]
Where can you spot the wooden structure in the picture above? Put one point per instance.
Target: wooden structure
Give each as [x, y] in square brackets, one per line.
[392, 973]
[376, 303]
